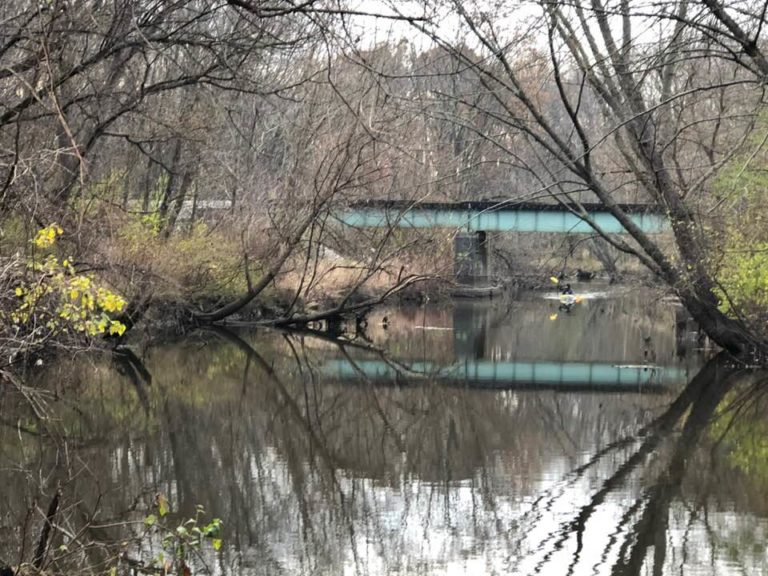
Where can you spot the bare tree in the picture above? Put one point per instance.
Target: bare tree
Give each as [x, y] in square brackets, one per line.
[614, 101]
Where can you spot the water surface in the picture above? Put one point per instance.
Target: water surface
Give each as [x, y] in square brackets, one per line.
[505, 437]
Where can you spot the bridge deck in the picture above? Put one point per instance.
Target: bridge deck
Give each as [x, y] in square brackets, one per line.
[497, 216]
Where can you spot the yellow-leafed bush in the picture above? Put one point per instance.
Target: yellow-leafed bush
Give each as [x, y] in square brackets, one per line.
[54, 298]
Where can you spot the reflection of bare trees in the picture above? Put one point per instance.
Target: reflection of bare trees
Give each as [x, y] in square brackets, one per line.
[645, 523]
[649, 529]
[316, 476]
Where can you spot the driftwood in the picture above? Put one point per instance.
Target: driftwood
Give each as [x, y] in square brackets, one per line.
[343, 309]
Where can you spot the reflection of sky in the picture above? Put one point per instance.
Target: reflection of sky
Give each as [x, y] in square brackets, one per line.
[455, 529]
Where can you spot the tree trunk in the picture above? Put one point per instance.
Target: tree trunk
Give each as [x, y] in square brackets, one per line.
[726, 332]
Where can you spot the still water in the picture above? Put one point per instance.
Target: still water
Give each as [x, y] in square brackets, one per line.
[508, 437]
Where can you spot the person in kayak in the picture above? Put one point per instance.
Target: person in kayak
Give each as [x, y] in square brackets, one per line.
[567, 299]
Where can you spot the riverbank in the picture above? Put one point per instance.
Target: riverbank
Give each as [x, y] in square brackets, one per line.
[332, 297]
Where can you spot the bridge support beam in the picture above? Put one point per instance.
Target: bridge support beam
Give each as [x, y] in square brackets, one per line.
[471, 257]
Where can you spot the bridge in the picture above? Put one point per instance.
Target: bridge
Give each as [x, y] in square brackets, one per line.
[473, 220]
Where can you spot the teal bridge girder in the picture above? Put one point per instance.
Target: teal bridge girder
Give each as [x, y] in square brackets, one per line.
[514, 374]
[506, 216]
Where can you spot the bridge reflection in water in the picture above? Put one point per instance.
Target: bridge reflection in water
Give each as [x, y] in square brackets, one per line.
[487, 374]
[480, 345]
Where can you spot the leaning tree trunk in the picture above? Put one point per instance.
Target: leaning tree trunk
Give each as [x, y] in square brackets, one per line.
[726, 332]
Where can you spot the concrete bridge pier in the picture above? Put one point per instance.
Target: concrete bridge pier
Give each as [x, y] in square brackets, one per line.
[471, 257]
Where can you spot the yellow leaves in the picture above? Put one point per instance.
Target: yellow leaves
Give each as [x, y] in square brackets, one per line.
[116, 328]
[109, 301]
[46, 237]
[86, 301]
[82, 283]
[63, 300]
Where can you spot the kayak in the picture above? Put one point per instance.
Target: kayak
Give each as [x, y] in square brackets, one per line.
[569, 299]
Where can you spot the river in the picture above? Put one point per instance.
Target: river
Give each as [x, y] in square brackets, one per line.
[515, 436]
